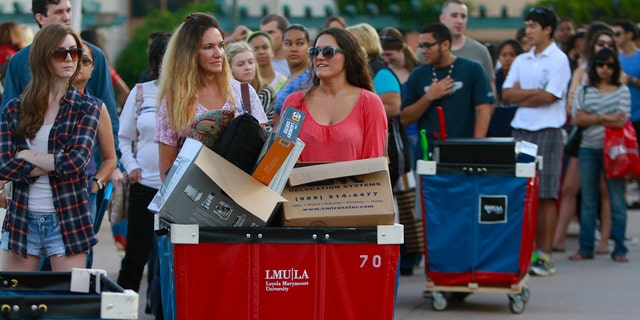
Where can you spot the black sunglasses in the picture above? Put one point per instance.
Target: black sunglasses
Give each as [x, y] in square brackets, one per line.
[327, 52]
[60, 55]
[610, 65]
[427, 45]
[603, 43]
[389, 38]
[538, 10]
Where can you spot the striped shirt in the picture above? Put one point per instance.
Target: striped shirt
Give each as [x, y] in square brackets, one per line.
[267, 96]
[588, 98]
[71, 140]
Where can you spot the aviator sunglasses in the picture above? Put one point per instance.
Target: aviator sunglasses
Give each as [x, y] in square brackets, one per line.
[60, 55]
[327, 52]
[86, 61]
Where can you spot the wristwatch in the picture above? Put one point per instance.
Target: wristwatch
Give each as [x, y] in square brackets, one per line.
[99, 183]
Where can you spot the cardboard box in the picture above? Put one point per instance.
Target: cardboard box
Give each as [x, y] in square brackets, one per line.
[279, 145]
[205, 189]
[341, 194]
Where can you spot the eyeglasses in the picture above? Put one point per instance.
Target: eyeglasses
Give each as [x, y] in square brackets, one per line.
[427, 45]
[617, 33]
[60, 55]
[602, 43]
[610, 65]
[86, 61]
[327, 52]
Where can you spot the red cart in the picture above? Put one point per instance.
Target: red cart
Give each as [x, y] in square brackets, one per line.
[279, 273]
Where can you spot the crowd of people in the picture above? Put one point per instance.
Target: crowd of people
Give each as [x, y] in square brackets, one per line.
[365, 92]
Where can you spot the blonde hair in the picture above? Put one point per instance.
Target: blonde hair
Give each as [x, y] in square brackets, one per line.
[238, 47]
[180, 79]
[11, 34]
[367, 38]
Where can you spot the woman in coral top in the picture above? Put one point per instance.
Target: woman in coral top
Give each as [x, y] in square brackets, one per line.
[344, 119]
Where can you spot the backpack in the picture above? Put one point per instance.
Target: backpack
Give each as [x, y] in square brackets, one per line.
[243, 139]
[398, 143]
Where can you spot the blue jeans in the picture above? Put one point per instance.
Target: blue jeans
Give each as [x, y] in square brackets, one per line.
[591, 168]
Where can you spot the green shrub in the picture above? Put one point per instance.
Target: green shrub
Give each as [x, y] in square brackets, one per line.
[133, 60]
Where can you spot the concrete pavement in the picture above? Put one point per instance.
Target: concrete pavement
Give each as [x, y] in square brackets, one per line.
[582, 290]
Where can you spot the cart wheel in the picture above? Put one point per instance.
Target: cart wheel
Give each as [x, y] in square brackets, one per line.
[439, 302]
[525, 294]
[516, 304]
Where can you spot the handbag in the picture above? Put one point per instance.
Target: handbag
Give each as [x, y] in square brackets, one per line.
[243, 139]
[575, 136]
[119, 204]
[573, 141]
[620, 152]
[398, 150]
[119, 211]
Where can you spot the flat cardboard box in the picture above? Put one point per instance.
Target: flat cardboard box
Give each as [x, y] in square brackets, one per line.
[340, 194]
[205, 189]
[279, 146]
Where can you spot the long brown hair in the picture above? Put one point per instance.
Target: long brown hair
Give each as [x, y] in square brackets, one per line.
[392, 39]
[35, 99]
[354, 63]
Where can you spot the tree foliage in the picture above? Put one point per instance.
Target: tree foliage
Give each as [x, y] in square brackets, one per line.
[133, 60]
[595, 10]
[411, 13]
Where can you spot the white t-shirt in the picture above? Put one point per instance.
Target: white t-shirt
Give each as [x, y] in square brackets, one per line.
[549, 71]
[40, 194]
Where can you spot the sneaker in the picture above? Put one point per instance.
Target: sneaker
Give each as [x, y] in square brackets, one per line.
[538, 268]
[631, 241]
[548, 262]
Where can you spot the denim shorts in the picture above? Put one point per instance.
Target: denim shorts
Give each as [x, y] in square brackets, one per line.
[44, 236]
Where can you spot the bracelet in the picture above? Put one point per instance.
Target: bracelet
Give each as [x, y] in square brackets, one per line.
[99, 183]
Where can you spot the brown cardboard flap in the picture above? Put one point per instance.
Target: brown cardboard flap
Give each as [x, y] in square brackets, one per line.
[307, 174]
[246, 191]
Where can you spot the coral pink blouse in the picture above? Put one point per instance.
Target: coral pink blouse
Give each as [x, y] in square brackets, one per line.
[361, 135]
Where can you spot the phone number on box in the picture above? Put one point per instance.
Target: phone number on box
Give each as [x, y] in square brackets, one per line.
[337, 196]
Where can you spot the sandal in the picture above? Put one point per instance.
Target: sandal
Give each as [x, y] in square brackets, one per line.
[580, 256]
[559, 250]
[620, 258]
[602, 250]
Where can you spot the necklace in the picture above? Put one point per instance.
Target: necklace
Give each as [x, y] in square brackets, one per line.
[434, 76]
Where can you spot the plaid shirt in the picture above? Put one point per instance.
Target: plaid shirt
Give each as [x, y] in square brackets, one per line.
[70, 141]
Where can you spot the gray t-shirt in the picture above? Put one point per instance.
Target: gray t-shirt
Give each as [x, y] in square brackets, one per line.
[473, 49]
[594, 102]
